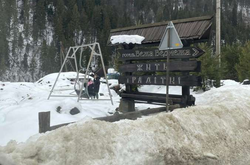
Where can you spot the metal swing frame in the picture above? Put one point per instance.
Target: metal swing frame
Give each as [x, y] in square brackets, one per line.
[93, 48]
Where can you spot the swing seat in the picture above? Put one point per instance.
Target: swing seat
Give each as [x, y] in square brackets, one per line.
[83, 94]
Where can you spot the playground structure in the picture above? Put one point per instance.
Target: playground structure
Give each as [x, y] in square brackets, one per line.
[82, 90]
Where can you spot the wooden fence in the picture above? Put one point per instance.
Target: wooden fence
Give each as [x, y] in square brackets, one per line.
[44, 117]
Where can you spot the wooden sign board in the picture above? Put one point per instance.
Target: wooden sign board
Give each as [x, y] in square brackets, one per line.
[155, 54]
[174, 66]
[161, 80]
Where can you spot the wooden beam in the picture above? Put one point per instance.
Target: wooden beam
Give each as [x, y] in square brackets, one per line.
[136, 114]
[160, 98]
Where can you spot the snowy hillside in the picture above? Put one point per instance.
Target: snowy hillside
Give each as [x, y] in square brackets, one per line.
[34, 34]
[215, 131]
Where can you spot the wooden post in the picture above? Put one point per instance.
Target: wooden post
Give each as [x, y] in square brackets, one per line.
[44, 121]
[127, 105]
[185, 89]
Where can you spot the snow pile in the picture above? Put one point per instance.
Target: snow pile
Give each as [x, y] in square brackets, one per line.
[65, 80]
[228, 93]
[120, 39]
[20, 92]
[215, 133]
[229, 82]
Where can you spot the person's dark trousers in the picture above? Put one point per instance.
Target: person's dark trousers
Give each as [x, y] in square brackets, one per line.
[96, 95]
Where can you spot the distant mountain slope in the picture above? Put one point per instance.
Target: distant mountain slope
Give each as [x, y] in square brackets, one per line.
[32, 30]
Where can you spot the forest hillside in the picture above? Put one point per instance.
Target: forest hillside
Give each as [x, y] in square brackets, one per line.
[35, 33]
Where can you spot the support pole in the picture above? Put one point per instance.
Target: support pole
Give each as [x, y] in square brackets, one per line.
[64, 62]
[218, 30]
[105, 74]
[87, 70]
[62, 52]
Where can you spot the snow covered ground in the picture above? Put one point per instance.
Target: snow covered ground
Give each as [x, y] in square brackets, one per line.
[216, 131]
[20, 104]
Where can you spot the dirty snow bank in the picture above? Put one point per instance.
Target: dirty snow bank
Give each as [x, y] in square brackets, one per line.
[235, 93]
[214, 133]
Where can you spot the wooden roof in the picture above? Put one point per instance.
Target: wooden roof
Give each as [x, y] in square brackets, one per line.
[197, 28]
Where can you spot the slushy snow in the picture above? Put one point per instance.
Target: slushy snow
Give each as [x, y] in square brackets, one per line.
[216, 131]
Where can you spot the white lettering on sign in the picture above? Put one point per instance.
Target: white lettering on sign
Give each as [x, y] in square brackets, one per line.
[164, 66]
[157, 80]
[157, 66]
[148, 81]
[148, 67]
[163, 79]
[133, 79]
[139, 80]
[144, 53]
[128, 55]
[137, 53]
[171, 80]
[162, 54]
[139, 67]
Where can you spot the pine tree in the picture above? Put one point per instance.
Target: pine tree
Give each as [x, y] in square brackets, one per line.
[26, 17]
[4, 30]
[33, 67]
[74, 25]
[84, 23]
[234, 14]
[209, 66]
[24, 63]
[89, 7]
[44, 58]
[41, 16]
[230, 57]
[242, 67]
[20, 46]
[59, 22]
[159, 14]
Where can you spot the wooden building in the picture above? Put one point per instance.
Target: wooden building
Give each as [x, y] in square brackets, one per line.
[191, 30]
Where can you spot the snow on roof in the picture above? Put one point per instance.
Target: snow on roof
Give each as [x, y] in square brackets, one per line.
[120, 39]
